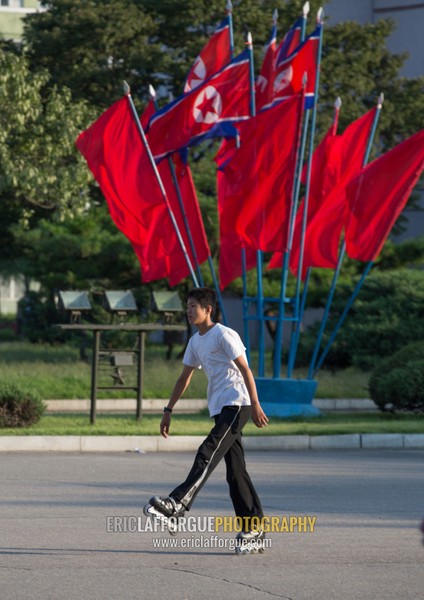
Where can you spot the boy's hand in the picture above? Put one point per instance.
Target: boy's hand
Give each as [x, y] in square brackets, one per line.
[258, 416]
[164, 424]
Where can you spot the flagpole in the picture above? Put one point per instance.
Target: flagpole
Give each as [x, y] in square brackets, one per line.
[298, 315]
[286, 257]
[278, 343]
[305, 13]
[312, 368]
[243, 251]
[217, 290]
[229, 8]
[184, 215]
[337, 106]
[245, 304]
[259, 256]
[127, 92]
[152, 93]
[342, 318]
[296, 332]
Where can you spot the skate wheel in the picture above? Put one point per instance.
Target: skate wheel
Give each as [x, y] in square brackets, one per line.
[242, 550]
[146, 509]
[172, 529]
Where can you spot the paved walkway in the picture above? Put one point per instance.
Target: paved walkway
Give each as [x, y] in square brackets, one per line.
[58, 511]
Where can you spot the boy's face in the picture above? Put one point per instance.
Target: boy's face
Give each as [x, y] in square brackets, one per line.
[196, 314]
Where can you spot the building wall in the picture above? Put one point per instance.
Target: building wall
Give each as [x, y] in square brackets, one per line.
[408, 16]
[12, 289]
[337, 11]
[11, 15]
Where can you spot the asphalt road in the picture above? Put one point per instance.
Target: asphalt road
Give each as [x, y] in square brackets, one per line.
[63, 519]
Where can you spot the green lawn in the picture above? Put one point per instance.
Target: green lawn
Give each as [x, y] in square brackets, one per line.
[57, 373]
[200, 424]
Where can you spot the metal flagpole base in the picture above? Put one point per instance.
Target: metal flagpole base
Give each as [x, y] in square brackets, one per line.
[287, 397]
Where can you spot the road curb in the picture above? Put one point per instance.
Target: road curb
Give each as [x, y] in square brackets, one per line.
[142, 444]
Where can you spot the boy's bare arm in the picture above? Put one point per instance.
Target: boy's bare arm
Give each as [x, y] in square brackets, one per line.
[258, 416]
[179, 389]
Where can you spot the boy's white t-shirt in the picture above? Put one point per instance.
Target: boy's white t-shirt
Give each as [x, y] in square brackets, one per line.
[215, 352]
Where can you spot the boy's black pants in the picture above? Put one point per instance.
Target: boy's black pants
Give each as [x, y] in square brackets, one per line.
[224, 440]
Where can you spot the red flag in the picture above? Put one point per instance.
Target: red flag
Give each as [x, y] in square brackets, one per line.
[116, 156]
[171, 262]
[179, 270]
[378, 194]
[222, 98]
[291, 41]
[265, 80]
[328, 212]
[264, 91]
[190, 207]
[147, 114]
[289, 74]
[215, 55]
[256, 188]
[164, 256]
[325, 174]
[230, 256]
[230, 245]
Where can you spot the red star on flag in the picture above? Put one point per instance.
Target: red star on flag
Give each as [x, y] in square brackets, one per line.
[209, 106]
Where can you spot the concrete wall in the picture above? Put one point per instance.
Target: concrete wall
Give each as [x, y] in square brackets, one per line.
[12, 289]
[11, 23]
[408, 16]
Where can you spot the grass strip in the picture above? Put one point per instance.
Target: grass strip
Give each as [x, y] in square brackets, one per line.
[200, 424]
[57, 373]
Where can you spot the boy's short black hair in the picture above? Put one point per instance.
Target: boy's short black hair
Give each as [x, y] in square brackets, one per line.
[204, 296]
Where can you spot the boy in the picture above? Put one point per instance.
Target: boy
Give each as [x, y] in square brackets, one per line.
[232, 399]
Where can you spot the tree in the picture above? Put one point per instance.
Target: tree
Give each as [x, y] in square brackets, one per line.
[387, 315]
[40, 170]
[84, 251]
[91, 47]
[157, 42]
[184, 27]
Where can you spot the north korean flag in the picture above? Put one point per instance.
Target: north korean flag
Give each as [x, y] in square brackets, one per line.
[206, 111]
